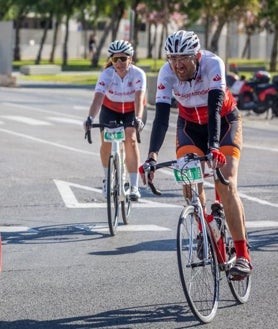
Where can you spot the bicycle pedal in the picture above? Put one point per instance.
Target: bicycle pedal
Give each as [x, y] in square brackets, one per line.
[236, 277]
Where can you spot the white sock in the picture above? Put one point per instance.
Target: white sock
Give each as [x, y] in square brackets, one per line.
[105, 169]
[134, 178]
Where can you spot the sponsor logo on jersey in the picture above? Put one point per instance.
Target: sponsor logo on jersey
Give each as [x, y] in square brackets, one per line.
[161, 87]
[217, 78]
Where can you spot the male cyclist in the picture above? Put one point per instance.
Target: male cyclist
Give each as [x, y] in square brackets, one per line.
[120, 93]
[208, 122]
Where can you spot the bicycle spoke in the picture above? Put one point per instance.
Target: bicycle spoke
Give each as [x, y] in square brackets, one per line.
[112, 195]
[199, 277]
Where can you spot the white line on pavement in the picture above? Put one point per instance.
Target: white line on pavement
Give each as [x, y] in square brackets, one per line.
[24, 119]
[43, 141]
[65, 189]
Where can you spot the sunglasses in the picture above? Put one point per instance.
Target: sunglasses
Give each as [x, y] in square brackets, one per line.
[175, 59]
[122, 58]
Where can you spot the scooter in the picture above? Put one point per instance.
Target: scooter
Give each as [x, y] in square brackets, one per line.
[258, 94]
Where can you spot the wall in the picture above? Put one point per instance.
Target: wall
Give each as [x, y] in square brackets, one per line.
[260, 44]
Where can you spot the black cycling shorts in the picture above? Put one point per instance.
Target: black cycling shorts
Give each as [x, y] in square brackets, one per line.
[106, 115]
[193, 138]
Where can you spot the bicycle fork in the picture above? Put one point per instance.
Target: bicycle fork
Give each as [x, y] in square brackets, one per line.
[117, 148]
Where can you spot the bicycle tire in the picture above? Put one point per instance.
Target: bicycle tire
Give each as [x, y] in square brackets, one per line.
[113, 194]
[240, 288]
[199, 278]
[126, 205]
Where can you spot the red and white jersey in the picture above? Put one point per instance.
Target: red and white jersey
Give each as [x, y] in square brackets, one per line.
[192, 97]
[120, 93]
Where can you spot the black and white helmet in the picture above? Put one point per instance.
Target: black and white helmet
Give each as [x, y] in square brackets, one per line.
[182, 43]
[120, 46]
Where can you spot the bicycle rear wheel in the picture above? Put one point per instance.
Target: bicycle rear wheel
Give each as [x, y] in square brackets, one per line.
[199, 277]
[239, 288]
[126, 204]
[113, 194]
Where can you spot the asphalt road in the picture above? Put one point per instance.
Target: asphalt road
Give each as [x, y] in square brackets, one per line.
[61, 268]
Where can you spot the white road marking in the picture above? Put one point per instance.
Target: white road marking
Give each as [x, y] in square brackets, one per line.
[261, 224]
[80, 107]
[28, 121]
[66, 120]
[17, 229]
[43, 141]
[65, 189]
[261, 148]
[123, 228]
[37, 109]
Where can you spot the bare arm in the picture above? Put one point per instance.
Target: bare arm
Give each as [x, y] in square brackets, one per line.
[139, 103]
[96, 104]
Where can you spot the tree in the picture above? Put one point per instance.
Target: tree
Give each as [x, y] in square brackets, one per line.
[269, 12]
[5, 6]
[19, 10]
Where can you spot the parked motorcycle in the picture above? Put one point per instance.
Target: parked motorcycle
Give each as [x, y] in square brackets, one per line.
[258, 94]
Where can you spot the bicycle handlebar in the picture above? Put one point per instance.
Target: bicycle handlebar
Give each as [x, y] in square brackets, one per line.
[111, 124]
[190, 157]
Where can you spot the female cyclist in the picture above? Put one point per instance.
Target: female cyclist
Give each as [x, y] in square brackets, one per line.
[120, 93]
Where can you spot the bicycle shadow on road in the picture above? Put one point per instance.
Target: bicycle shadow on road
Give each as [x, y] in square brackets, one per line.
[67, 233]
[265, 240]
[153, 245]
[149, 316]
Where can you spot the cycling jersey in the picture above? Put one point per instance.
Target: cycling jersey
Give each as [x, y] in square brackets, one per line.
[192, 96]
[120, 92]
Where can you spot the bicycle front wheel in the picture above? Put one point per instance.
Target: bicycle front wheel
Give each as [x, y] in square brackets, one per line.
[199, 276]
[113, 194]
[126, 204]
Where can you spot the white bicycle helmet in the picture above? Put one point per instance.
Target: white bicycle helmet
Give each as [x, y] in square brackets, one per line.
[120, 46]
[182, 43]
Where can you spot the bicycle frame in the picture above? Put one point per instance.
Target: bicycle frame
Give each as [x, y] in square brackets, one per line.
[220, 245]
[117, 148]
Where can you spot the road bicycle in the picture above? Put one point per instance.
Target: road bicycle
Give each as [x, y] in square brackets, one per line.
[117, 184]
[205, 248]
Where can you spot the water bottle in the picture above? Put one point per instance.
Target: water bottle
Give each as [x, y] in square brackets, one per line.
[217, 212]
[214, 228]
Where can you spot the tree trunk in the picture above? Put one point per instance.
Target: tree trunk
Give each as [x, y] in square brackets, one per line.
[54, 41]
[65, 45]
[47, 24]
[273, 57]
[216, 35]
[246, 48]
[101, 43]
[150, 46]
[17, 56]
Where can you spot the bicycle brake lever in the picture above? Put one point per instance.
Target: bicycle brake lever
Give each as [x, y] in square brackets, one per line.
[154, 189]
[88, 136]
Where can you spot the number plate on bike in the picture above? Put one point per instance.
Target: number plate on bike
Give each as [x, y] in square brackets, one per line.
[188, 173]
[114, 134]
